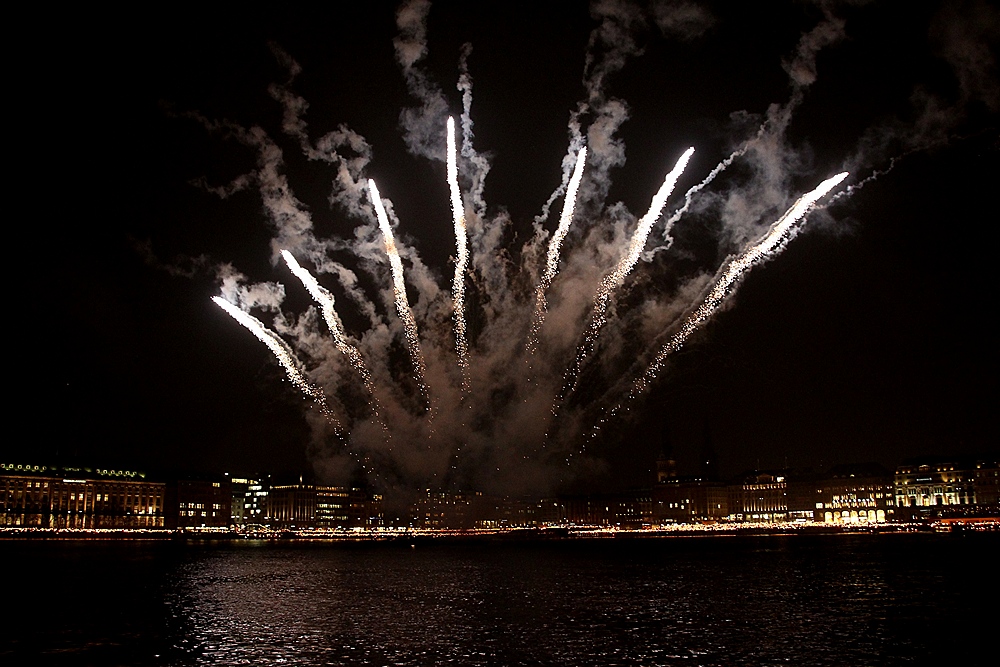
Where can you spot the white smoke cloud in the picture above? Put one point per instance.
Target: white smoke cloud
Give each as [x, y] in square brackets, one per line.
[266, 296]
[681, 19]
[421, 124]
[967, 34]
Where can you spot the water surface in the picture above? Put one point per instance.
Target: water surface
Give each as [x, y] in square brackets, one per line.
[910, 599]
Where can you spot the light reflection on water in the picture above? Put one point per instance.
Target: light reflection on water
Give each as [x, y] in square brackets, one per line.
[833, 600]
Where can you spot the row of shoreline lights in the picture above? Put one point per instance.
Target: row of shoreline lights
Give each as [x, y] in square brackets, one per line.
[110, 473]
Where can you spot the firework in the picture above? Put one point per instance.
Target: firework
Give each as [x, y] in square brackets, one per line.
[462, 258]
[770, 244]
[555, 245]
[615, 278]
[324, 298]
[284, 355]
[399, 292]
[524, 324]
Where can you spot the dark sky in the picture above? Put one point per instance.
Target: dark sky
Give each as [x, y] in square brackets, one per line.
[865, 340]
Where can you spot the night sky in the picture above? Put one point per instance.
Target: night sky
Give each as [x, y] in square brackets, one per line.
[866, 339]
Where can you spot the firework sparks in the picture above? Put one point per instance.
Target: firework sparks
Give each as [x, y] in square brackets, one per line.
[324, 298]
[555, 245]
[689, 195]
[772, 243]
[399, 291]
[284, 355]
[462, 258]
[728, 276]
[615, 278]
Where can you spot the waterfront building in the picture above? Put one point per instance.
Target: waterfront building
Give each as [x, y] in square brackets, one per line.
[629, 510]
[308, 506]
[200, 503]
[759, 496]
[291, 506]
[786, 495]
[937, 487]
[333, 507]
[249, 502]
[987, 481]
[449, 509]
[364, 510]
[514, 513]
[935, 483]
[687, 499]
[82, 498]
[861, 493]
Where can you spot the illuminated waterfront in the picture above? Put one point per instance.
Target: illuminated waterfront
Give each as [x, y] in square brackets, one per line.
[748, 600]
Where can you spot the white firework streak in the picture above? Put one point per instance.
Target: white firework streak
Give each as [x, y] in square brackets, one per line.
[324, 298]
[399, 290]
[772, 242]
[284, 355]
[689, 195]
[614, 280]
[462, 259]
[555, 245]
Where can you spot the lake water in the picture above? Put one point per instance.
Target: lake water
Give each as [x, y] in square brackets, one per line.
[899, 599]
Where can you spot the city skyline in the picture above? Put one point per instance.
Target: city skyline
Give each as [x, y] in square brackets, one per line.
[920, 494]
[864, 340]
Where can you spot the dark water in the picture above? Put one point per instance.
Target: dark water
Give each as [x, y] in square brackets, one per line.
[796, 600]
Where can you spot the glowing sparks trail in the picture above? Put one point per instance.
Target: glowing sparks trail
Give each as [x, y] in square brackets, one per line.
[689, 195]
[728, 276]
[555, 244]
[284, 355]
[614, 280]
[324, 298]
[399, 290]
[462, 258]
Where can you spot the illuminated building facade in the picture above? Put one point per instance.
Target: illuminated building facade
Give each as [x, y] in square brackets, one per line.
[760, 497]
[80, 498]
[333, 507]
[856, 494]
[928, 486]
[935, 484]
[291, 506]
[512, 513]
[249, 503]
[200, 503]
[788, 495]
[307, 506]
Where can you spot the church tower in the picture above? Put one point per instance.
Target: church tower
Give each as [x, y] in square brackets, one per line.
[666, 466]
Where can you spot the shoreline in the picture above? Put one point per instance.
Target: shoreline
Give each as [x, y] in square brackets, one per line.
[551, 533]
